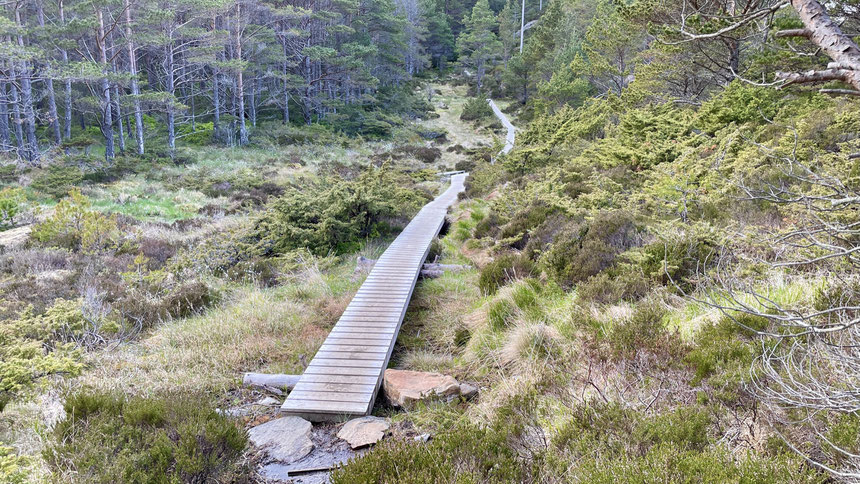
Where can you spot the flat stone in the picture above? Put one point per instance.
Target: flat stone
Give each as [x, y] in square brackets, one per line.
[286, 439]
[468, 391]
[269, 402]
[363, 431]
[405, 387]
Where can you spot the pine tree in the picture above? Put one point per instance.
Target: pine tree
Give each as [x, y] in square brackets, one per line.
[478, 44]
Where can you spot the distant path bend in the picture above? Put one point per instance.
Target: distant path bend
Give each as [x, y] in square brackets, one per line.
[509, 138]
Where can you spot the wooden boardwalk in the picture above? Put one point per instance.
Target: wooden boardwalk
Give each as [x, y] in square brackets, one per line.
[346, 373]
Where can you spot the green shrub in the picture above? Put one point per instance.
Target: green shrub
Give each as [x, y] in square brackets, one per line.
[584, 249]
[684, 428]
[643, 330]
[57, 180]
[107, 437]
[504, 269]
[465, 454]
[33, 346]
[201, 136]
[516, 231]
[74, 226]
[336, 215]
[679, 255]
[722, 356]
[475, 109]
[14, 469]
[488, 226]
[626, 284]
[11, 204]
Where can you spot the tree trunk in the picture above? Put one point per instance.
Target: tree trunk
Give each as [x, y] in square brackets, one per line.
[135, 88]
[824, 32]
[31, 152]
[522, 25]
[67, 114]
[16, 111]
[107, 122]
[171, 118]
[5, 138]
[119, 126]
[240, 92]
[49, 86]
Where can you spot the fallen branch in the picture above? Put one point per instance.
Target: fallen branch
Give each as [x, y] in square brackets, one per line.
[276, 380]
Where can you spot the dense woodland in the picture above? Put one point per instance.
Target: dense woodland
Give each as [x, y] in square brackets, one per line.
[660, 278]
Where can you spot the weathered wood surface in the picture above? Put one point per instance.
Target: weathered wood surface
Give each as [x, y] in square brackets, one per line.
[345, 375]
[511, 135]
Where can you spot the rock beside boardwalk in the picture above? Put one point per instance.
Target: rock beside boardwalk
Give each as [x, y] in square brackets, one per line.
[360, 432]
[405, 387]
[286, 439]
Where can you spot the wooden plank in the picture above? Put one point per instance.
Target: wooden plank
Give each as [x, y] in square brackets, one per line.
[321, 406]
[334, 387]
[339, 362]
[338, 379]
[351, 355]
[332, 396]
[345, 374]
[347, 348]
[341, 370]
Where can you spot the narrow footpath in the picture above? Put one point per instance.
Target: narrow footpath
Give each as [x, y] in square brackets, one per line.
[509, 138]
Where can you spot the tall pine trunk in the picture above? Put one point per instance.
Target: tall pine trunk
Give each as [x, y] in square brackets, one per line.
[107, 121]
[49, 87]
[171, 87]
[67, 114]
[31, 150]
[240, 91]
[16, 111]
[5, 138]
[135, 88]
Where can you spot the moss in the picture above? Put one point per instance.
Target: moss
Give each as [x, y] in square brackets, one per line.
[107, 437]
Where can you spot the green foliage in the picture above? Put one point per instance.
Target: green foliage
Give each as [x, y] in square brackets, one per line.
[476, 109]
[684, 428]
[583, 249]
[739, 103]
[74, 226]
[504, 269]
[14, 469]
[33, 346]
[679, 255]
[644, 330]
[465, 454]
[11, 205]
[722, 357]
[108, 437]
[57, 180]
[336, 215]
[201, 136]
[500, 314]
[478, 44]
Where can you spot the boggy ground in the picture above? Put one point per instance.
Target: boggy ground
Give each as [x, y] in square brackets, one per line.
[152, 295]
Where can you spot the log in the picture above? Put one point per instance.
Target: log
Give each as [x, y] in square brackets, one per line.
[277, 380]
[446, 267]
